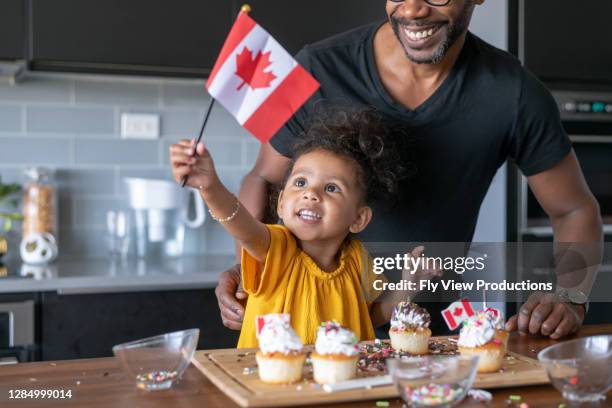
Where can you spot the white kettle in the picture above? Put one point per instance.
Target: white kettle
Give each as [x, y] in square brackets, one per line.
[160, 210]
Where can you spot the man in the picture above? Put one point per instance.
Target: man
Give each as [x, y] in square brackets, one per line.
[470, 106]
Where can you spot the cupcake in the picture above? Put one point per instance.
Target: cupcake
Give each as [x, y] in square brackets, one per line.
[410, 328]
[479, 337]
[280, 357]
[336, 354]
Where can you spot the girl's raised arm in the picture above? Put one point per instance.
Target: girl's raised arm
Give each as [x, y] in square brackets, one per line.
[224, 207]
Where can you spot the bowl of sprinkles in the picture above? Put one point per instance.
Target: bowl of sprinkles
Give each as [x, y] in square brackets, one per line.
[155, 363]
[433, 381]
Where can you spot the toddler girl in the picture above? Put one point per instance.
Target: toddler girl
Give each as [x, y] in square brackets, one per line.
[309, 266]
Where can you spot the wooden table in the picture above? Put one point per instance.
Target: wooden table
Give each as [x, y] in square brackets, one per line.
[101, 383]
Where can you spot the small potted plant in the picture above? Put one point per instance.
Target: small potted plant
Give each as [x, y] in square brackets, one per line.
[9, 200]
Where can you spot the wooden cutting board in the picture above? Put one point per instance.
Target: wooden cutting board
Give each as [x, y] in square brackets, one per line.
[226, 369]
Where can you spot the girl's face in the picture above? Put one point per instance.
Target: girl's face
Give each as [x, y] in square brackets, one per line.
[322, 198]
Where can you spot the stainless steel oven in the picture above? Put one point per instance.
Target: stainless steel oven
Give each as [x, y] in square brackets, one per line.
[587, 117]
[17, 331]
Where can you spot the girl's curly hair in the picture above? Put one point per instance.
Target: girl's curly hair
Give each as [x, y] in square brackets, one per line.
[372, 141]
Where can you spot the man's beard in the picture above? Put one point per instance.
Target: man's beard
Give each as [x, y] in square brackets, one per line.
[454, 31]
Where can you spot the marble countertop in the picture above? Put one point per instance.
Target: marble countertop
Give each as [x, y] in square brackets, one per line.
[77, 276]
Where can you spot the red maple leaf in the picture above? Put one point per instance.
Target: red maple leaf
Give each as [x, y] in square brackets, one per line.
[251, 71]
[458, 311]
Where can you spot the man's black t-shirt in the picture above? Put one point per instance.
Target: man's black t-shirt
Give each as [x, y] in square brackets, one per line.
[489, 108]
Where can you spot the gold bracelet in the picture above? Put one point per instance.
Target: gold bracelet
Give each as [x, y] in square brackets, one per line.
[229, 218]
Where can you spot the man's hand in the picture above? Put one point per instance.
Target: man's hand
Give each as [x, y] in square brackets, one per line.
[420, 273]
[544, 315]
[229, 295]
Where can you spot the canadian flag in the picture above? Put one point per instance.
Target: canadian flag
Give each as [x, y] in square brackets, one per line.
[457, 312]
[257, 81]
[270, 318]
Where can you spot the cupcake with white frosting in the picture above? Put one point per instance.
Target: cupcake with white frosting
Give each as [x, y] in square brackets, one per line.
[410, 328]
[280, 357]
[479, 337]
[336, 354]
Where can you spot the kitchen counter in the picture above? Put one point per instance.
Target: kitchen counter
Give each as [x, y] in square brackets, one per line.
[101, 383]
[78, 276]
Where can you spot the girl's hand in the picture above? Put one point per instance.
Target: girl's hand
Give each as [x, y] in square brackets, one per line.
[420, 273]
[198, 167]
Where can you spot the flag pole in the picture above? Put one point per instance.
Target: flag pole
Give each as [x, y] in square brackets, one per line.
[246, 9]
[484, 299]
[206, 116]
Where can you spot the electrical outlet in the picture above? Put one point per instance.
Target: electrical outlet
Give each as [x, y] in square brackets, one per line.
[139, 126]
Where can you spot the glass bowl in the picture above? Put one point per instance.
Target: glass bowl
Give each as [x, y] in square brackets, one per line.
[433, 381]
[156, 362]
[581, 369]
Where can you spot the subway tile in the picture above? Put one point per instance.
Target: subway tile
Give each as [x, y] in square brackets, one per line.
[78, 182]
[231, 179]
[225, 153]
[91, 212]
[65, 209]
[11, 175]
[128, 152]
[10, 118]
[37, 89]
[75, 242]
[222, 125]
[71, 120]
[190, 94]
[35, 151]
[116, 93]
[251, 152]
[179, 124]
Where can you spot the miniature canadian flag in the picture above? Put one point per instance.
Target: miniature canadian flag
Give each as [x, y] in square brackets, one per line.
[257, 81]
[270, 318]
[457, 312]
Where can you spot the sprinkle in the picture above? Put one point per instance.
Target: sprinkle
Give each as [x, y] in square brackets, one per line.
[248, 370]
[78, 383]
[156, 377]
[515, 398]
[299, 388]
[52, 364]
[573, 380]
[523, 405]
[433, 394]
[382, 403]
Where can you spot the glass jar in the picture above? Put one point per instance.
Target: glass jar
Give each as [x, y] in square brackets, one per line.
[39, 202]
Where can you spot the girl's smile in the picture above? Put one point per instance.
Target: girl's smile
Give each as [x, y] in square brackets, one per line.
[322, 197]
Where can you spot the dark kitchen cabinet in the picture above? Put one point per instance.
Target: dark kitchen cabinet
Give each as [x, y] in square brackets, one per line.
[173, 37]
[297, 23]
[88, 325]
[12, 29]
[178, 37]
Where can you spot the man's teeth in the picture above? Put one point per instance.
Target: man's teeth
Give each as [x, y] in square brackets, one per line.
[419, 35]
[309, 215]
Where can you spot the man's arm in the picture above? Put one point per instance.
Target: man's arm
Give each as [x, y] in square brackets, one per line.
[270, 168]
[574, 214]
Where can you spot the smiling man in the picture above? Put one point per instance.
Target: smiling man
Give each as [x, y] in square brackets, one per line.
[470, 106]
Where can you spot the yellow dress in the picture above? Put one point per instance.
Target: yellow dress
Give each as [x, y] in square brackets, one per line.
[291, 282]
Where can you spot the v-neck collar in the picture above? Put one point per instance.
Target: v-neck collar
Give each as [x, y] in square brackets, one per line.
[434, 99]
